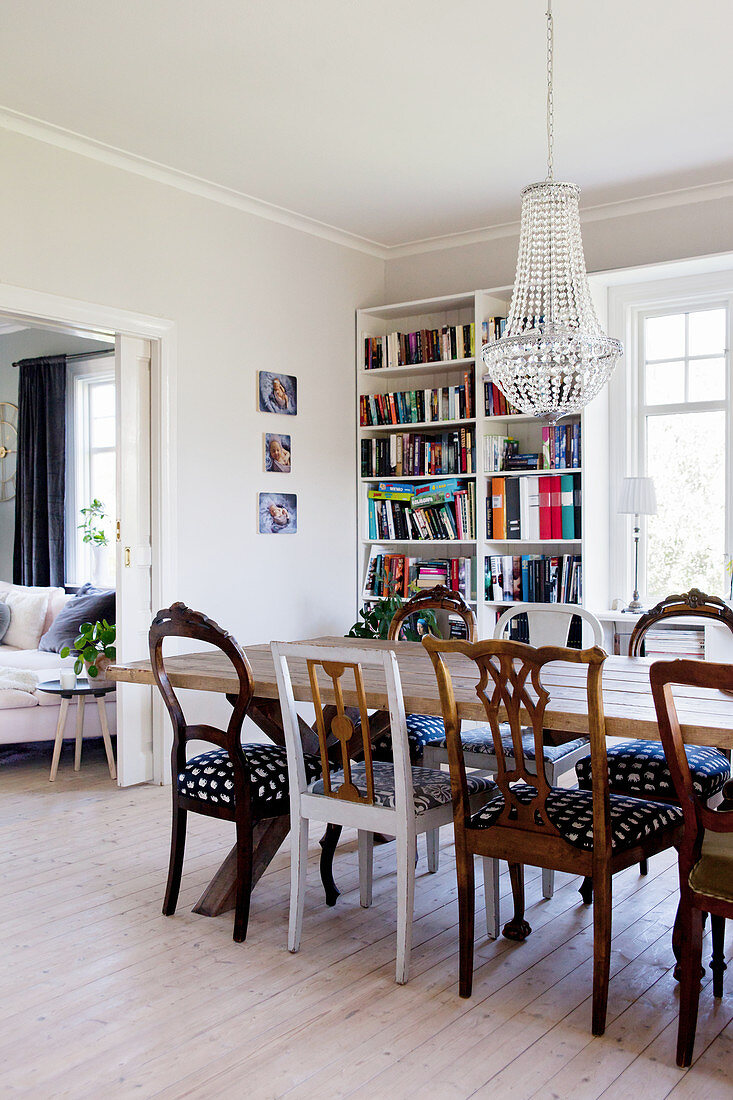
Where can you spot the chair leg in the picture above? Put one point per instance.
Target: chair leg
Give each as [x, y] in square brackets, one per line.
[366, 867]
[175, 865]
[432, 839]
[691, 930]
[466, 911]
[244, 881]
[517, 928]
[643, 866]
[548, 882]
[491, 897]
[601, 949]
[405, 904]
[298, 877]
[717, 963]
[586, 890]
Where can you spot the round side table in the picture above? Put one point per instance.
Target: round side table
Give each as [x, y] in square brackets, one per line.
[83, 689]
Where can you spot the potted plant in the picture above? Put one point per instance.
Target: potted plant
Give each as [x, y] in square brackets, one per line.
[95, 534]
[94, 649]
[378, 615]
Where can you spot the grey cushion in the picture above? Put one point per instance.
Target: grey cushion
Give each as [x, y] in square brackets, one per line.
[4, 619]
[89, 605]
[430, 787]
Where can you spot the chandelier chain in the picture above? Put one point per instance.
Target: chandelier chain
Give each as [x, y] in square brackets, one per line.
[550, 92]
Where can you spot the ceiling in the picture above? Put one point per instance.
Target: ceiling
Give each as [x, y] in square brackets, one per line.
[394, 121]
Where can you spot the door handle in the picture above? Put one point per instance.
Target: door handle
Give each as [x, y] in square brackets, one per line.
[127, 557]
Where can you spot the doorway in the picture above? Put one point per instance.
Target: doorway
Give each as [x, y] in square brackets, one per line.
[139, 362]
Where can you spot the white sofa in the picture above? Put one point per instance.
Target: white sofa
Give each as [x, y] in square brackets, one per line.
[26, 716]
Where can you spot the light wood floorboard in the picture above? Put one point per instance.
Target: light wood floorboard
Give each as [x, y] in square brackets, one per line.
[102, 996]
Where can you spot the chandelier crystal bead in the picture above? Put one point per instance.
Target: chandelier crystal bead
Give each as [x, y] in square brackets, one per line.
[554, 357]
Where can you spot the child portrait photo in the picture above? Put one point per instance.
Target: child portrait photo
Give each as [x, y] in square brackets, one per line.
[278, 393]
[278, 513]
[277, 453]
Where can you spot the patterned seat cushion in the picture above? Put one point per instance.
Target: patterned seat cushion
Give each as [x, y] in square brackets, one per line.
[422, 730]
[481, 741]
[639, 768]
[571, 812]
[431, 788]
[209, 778]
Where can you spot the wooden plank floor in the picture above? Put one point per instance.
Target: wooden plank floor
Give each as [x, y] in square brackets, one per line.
[104, 997]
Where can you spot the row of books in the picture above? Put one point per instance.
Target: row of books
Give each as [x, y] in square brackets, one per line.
[399, 575]
[534, 578]
[435, 511]
[415, 454]
[546, 506]
[561, 446]
[418, 406]
[495, 402]
[501, 452]
[492, 329]
[427, 345]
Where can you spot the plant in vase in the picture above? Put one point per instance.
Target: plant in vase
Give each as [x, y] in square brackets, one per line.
[94, 534]
[378, 615]
[94, 649]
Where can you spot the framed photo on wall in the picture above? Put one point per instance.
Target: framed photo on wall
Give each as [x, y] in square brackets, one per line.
[278, 514]
[278, 452]
[278, 393]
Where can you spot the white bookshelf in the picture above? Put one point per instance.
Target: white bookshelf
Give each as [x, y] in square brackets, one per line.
[474, 307]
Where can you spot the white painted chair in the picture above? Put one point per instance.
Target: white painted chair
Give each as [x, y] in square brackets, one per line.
[370, 796]
[549, 624]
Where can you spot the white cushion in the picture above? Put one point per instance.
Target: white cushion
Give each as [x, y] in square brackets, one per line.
[11, 699]
[27, 616]
[56, 599]
[47, 665]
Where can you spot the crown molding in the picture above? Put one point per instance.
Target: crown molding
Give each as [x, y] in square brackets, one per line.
[171, 177]
[73, 142]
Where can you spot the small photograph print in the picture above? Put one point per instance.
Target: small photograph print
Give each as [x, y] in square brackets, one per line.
[278, 513]
[278, 393]
[277, 453]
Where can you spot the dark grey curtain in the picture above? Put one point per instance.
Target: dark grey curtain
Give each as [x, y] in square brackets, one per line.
[38, 556]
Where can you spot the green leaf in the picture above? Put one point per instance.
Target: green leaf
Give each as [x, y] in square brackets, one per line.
[93, 671]
[65, 652]
[111, 652]
[78, 666]
[90, 653]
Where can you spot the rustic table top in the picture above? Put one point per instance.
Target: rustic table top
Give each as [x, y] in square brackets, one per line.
[706, 717]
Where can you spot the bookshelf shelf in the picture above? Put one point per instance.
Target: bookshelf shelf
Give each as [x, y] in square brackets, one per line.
[435, 425]
[591, 523]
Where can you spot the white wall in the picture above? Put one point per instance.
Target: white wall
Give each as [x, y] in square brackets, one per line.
[245, 294]
[27, 345]
[631, 240]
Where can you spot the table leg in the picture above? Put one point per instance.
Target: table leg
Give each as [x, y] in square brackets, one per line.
[59, 739]
[329, 842]
[106, 737]
[267, 836]
[79, 731]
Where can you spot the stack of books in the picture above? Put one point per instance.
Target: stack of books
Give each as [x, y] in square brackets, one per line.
[432, 345]
[561, 446]
[534, 578]
[534, 508]
[434, 511]
[399, 575]
[415, 454]
[418, 406]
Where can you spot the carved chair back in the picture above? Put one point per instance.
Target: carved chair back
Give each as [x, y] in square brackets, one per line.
[693, 603]
[439, 598]
[180, 621]
[332, 678]
[664, 676]
[511, 690]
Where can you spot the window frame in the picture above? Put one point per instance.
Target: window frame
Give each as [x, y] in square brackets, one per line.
[80, 376]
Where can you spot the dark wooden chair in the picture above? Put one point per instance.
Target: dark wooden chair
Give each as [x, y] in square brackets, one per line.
[590, 833]
[705, 854]
[639, 768]
[241, 783]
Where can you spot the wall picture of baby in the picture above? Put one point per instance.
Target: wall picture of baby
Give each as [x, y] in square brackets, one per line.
[278, 513]
[278, 393]
[277, 453]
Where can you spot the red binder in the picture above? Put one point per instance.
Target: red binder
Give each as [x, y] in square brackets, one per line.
[545, 509]
[555, 505]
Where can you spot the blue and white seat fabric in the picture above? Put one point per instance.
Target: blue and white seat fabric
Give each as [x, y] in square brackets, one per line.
[431, 788]
[571, 812]
[639, 769]
[422, 730]
[209, 777]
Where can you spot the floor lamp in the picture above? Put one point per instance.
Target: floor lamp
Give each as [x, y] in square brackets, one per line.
[637, 499]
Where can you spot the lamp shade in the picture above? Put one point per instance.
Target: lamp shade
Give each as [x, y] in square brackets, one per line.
[638, 497]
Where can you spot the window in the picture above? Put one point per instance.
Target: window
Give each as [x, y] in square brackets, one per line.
[91, 470]
[684, 444]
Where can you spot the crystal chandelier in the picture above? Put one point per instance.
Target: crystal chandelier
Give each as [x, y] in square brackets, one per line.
[554, 356]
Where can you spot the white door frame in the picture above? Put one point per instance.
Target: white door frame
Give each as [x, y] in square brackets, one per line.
[48, 309]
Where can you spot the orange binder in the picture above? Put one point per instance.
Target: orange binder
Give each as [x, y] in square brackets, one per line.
[498, 508]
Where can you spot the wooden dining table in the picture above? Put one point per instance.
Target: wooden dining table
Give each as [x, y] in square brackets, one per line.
[706, 718]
